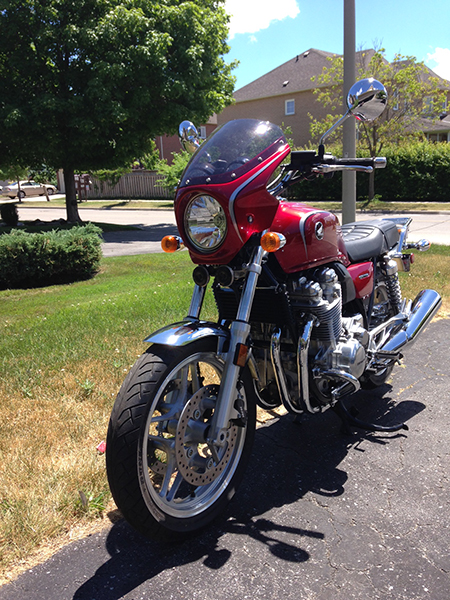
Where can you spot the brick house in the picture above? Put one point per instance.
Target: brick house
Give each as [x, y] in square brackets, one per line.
[438, 131]
[283, 96]
[167, 144]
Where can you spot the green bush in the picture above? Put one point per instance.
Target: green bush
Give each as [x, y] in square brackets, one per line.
[415, 171]
[58, 256]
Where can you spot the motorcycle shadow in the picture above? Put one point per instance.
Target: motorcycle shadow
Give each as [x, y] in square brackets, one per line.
[289, 461]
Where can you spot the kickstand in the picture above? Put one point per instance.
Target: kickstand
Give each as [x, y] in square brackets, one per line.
[348, 419]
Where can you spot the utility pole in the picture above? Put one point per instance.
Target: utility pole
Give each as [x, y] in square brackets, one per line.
[349, 127]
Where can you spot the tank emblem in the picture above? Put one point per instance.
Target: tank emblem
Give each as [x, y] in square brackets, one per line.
[319, 230]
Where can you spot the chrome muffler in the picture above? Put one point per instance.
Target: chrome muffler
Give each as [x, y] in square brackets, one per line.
[423, 309]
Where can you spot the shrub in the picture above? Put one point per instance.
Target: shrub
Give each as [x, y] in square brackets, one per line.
[36, 259]
[414, 171]
[9, 214]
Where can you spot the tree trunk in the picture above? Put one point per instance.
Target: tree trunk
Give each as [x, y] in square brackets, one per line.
[71, 196]
[18, 189]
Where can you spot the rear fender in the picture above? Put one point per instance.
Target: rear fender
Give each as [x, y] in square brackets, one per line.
[186, 332]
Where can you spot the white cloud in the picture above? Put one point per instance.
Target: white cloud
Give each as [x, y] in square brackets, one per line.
[250, 16]
[441, 60]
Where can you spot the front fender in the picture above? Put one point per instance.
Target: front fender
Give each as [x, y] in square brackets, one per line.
[186, 332]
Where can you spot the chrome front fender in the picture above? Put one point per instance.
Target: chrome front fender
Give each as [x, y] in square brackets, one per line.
[186, 332]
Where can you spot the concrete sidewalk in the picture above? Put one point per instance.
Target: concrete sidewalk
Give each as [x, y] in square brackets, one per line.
[320, 515]
[154, 224]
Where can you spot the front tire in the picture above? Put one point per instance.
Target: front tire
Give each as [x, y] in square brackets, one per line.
[160, 469]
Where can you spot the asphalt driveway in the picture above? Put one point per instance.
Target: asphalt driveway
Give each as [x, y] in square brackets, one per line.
[320, 516]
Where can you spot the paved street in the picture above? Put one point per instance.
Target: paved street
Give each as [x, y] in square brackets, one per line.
[154, 224]
[320, 515]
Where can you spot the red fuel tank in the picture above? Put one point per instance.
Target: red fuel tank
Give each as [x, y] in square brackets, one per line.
[313, 237]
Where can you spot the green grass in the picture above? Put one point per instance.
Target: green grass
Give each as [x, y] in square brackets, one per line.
[64, 354]
[168, 205]
[104, 204]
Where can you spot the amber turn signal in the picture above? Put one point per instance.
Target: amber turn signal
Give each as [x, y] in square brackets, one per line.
[171, 243]
[271, 241]
[240, 357]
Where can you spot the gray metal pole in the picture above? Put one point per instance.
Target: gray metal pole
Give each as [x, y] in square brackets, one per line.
[349, 128]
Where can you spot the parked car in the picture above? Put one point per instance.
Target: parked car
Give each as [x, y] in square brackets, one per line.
[27, 188]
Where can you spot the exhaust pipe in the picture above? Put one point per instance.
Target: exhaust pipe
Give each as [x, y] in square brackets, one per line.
[423, 309]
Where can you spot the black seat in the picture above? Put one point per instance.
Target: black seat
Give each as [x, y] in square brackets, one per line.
[366, 239]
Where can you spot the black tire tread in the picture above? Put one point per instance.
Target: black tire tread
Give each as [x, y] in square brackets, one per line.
[127, 419]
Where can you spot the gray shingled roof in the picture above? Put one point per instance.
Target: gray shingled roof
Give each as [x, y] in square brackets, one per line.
[293, 76]
[429, 126]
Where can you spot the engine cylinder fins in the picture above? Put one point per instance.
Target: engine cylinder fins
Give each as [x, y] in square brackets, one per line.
[323, 299]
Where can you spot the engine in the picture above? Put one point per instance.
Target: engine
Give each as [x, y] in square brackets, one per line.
[337, 343]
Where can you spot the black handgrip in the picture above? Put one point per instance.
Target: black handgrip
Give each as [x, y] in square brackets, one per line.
[364, 162]
[377, 162]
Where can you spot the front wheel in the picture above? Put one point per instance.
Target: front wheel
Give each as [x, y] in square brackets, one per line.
[162, 473]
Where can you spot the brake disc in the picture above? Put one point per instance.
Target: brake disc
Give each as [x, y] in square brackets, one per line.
[194, 459]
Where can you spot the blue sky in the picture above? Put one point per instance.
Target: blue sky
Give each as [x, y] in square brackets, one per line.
[266, 33]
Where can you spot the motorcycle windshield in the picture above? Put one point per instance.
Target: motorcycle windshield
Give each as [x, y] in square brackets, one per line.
[231, 151]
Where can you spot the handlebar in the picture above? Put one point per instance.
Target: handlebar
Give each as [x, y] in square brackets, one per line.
[306, 164]
[309, 161]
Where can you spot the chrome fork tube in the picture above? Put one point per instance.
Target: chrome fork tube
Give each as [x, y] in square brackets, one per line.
[195, 308]
[239, 332]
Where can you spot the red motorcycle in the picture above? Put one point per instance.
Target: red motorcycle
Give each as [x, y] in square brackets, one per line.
[308, 312]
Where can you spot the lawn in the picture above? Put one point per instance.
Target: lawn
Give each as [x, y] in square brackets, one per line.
[65, 351]
[168, 205]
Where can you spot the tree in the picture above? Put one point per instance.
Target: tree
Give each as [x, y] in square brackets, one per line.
[414, 92]
[86, 85]
[16, 172]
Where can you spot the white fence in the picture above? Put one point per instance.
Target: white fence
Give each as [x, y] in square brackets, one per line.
[137, 184]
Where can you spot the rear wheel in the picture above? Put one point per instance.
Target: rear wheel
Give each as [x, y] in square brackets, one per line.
[162, 473]
[381, 312]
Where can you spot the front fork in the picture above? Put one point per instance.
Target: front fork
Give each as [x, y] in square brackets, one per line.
[239, 332]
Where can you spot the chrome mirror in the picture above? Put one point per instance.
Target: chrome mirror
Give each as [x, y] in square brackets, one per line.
[189, 137]
[367, 99]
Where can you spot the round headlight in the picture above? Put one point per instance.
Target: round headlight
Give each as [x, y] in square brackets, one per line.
[205, 223]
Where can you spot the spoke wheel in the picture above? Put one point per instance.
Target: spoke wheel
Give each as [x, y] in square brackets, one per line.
[162, 471]
[381, 312]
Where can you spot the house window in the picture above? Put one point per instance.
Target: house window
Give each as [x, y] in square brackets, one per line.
[203, 132]
[289, 107]
[427, 107]
[395, 101]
